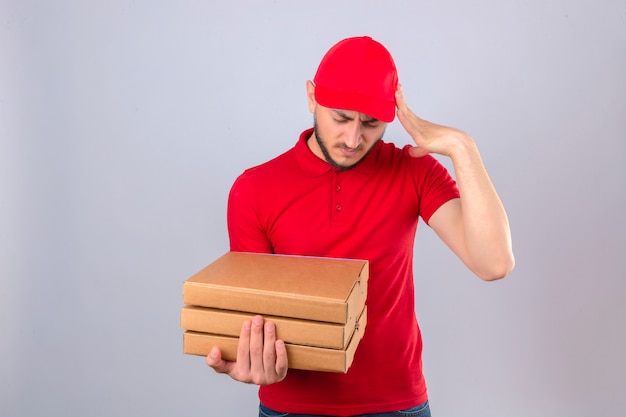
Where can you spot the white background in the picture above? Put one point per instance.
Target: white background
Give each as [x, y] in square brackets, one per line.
[124, 123]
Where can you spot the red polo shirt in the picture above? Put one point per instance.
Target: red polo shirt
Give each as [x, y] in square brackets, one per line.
[297, 204]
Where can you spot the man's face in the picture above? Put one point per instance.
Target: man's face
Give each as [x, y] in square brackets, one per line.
[343, 137]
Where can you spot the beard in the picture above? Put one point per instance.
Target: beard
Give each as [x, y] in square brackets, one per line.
[322, 144]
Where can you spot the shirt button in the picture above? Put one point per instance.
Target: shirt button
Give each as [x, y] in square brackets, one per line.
[338, 187]
[338, 207]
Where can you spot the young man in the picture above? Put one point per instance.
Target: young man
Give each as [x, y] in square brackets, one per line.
[341, 191]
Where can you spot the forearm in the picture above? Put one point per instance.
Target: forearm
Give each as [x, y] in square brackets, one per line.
[486, 231]
[475, 226]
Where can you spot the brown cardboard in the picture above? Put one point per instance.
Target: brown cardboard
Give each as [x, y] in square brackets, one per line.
[318, 289]
[295, 331]
[299, 357]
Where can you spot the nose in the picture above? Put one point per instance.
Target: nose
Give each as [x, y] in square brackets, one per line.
[353, 137]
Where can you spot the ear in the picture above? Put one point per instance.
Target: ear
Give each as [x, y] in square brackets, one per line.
[310, 95]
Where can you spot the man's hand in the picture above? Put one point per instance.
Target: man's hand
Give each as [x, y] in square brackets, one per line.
[475, 226]
[261, 359]
[428, 137]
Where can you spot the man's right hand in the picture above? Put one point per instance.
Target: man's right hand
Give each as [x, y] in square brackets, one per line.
[261, 358]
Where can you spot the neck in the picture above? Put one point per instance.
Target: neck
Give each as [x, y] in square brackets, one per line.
[314, 146]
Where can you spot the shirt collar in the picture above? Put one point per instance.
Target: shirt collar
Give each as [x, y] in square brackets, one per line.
[315, 166]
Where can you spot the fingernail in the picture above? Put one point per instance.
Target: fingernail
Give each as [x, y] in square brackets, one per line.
[213, 353]
[258, 320]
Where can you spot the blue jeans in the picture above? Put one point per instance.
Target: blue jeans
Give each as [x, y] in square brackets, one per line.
[420, 411]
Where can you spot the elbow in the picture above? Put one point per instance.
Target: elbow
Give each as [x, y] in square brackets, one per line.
[496, 270]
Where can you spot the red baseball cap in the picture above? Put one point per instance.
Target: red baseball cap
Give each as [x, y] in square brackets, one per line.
[358, 74]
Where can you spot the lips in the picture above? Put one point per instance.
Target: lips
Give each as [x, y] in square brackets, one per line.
[348, 152]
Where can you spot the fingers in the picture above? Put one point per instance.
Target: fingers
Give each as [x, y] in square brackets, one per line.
[268, 356]
[407, 118]
[269, 350]
[400, 103]
[243, 349]
[410, 122]
[274, 354]
[215, 361]
[261, 357]
[428, 137]
[256, 350]
[403, 110]
[281, 360]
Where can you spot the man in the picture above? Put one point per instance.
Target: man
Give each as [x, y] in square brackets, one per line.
[341, 191]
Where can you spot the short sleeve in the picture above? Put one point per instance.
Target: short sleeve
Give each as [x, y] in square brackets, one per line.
[245, 229]
[435, 185]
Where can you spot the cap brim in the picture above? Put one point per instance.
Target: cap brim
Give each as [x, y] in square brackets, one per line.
[383, 110]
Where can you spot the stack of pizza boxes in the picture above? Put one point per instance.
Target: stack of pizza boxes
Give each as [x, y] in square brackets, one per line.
[317, 304]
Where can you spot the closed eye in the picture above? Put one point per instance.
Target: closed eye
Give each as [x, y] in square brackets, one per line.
[341, 118]
[371, 124]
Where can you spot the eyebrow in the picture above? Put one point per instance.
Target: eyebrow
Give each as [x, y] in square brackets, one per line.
[368, 119]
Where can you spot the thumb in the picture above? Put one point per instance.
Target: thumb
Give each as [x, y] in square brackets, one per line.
[417, 151]
[215, 361]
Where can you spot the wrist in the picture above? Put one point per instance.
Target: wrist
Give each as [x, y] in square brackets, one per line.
[462, 146]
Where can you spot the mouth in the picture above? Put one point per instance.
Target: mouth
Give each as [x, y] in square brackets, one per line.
[349, 152]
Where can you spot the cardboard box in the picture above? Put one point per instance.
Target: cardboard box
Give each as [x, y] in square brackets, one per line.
[294, 331]
[318, 289]
[299, 357]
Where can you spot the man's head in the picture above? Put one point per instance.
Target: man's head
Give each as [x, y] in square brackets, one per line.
[358, 74]
[352, 97]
